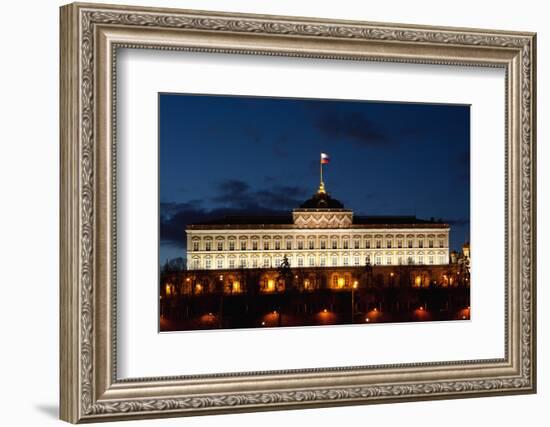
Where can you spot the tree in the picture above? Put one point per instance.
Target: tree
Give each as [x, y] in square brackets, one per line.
[284, 273]
[368, 272]
[174, 265]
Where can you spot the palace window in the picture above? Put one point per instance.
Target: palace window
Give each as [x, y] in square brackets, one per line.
[367, 259]
[266, 262]
[300, 261]
[431, 243]
[420, 259]
[410, 260]
[231, 263]
[431, 259]
[277, 245]
[220, 246]
[300, 245]
[335, 281]
[277, 262]
[334, 261]
[378, 244]
[388, 243]
[311, 244]
[323, 261]
[243, 263]
[254, 245]
[346, 244]
[409, 243]
[356, 244]
[195, 246]
[334, 244]
[266, 246]
[356, 260]
[289, 245]
[311, 261]
[378, 260]
[254, 262]
[400, 260]
[400, 243]
[346, 260]
[441, 259]
[196, 263]
[243, 246]
[388, 260]
[208, 246]
[323, 244]
[441, 243]
[346, 280]
[268, 285]
[220, 263]
[231, 245]
[421, 243]
[367, 244]
[236, 286]
[208, 263]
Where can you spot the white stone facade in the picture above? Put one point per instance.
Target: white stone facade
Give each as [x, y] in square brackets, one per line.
[316, 238]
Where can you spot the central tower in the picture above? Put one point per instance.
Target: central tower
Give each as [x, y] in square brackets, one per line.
[322, 211]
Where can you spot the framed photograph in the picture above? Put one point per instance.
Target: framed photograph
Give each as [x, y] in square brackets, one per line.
[266, 212]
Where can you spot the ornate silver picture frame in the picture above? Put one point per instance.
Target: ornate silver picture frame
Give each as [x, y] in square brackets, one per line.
[91, 390]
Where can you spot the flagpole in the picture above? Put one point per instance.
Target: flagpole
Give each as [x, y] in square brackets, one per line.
[321, 166]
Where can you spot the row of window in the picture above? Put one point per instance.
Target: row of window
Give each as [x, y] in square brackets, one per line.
[311, 261]
[300, 245]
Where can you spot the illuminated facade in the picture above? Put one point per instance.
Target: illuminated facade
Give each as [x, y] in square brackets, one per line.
[320, 233]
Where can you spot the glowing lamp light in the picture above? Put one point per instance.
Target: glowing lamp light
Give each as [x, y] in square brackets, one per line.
[270, 285]
[391, 274]
[263, 323]
[421, 308]
[325, 310]
[367, 320]
[355, 284]
[341, 282]
[188, 279]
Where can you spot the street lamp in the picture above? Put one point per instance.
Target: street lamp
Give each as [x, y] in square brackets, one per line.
[353, 288]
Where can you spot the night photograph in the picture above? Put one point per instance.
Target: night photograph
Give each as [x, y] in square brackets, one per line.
[280, 212]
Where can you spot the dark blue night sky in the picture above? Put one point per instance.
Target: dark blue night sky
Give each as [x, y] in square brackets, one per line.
[223, 155]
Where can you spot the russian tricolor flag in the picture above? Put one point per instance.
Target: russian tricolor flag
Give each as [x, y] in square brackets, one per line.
[324, 158]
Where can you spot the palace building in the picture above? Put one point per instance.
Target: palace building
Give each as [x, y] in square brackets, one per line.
[319, 233]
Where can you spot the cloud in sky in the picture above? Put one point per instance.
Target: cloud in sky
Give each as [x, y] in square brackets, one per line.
[234, 193]
[233, 197]
[352, 125]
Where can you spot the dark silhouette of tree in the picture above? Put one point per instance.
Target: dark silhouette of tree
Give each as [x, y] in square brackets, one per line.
[368, 273]
[174, 265]
[284, 273]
